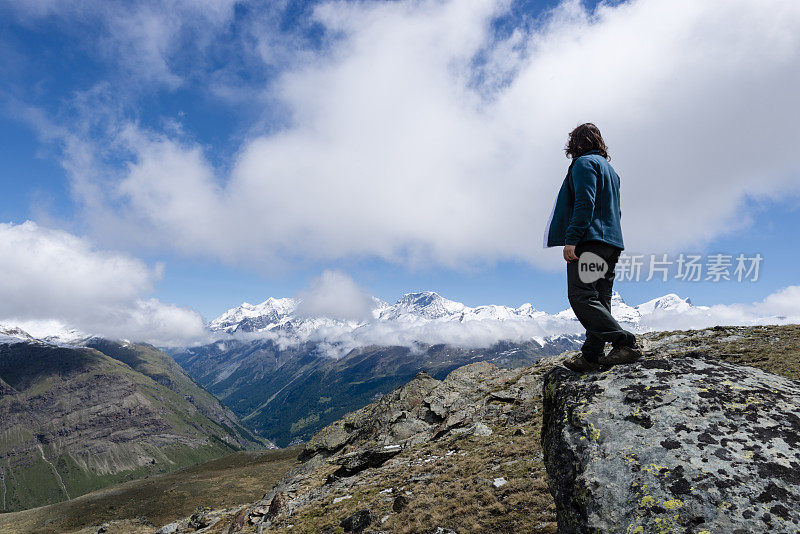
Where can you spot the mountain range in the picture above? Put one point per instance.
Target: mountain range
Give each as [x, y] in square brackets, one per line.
[427, 318]
[287, 374]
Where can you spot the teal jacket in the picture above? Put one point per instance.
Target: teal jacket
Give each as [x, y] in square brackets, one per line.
[587, 207]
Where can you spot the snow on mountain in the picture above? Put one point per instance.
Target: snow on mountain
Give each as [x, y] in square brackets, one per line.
[48, 331]
[667, 303]
[412, 308]
[427, 317]
[421, 306]
[14, 334]
[635, 317]
[258, 316]
[623, 312]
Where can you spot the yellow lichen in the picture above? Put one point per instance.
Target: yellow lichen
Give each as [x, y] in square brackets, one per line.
[654, 469]
[672, 504]
[594, 433]
[647, 501]
[629, 458]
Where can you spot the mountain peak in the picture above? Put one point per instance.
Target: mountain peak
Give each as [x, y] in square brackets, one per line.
[419, 298]
[270, 311]
[412, 310]
[427, 304]
[669, 302]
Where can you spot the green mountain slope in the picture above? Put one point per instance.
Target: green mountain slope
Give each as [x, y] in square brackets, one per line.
[137, 505]
[75, 419]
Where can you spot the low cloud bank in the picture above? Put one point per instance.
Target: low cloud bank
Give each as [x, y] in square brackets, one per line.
[781, 307]
[473, 328]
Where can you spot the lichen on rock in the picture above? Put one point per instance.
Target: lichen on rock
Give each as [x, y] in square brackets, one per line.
[687, 444]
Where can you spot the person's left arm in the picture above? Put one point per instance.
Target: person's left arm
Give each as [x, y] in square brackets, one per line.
[584, 183]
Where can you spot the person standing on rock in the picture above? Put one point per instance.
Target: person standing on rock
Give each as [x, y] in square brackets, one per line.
[586, 222]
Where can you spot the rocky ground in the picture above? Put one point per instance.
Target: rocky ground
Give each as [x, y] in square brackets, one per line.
[462, 454]
[465, 454]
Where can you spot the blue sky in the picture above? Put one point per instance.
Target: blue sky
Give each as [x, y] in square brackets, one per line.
[275, 109]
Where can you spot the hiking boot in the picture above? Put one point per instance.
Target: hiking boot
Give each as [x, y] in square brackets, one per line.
[620, 355]
[579, 364]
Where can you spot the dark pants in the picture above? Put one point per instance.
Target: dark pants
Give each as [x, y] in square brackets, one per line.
[591, 301]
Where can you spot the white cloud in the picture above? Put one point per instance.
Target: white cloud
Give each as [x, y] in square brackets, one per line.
[334, 294]
[471, 334]
[52, 278]
[336, 339]
[403, 147]
[416, 136]
[781, 307]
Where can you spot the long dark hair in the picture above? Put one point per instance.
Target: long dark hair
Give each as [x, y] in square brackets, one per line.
[584, 138]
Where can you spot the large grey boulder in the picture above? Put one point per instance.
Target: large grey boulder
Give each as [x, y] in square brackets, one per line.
[688, 445]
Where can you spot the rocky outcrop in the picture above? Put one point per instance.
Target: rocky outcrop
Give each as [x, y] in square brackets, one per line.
[357, 522]
[355, 462]
[427, 408]
[689, 444]
[398, 463]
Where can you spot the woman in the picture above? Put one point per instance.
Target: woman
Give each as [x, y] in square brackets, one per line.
[586, 222]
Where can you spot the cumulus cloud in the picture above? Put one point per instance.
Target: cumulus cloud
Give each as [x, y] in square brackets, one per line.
[53, 279]
[334, 294]
[418, 135]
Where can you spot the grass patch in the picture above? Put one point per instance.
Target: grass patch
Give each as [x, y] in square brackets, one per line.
[775, 349]
[234, 479]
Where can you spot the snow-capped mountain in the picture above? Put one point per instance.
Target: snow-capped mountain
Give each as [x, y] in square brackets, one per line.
[254, 317]
[635, 317]
[52, 332]
[667, 303]
[425, 305]
[411, 309]
[427, 317]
